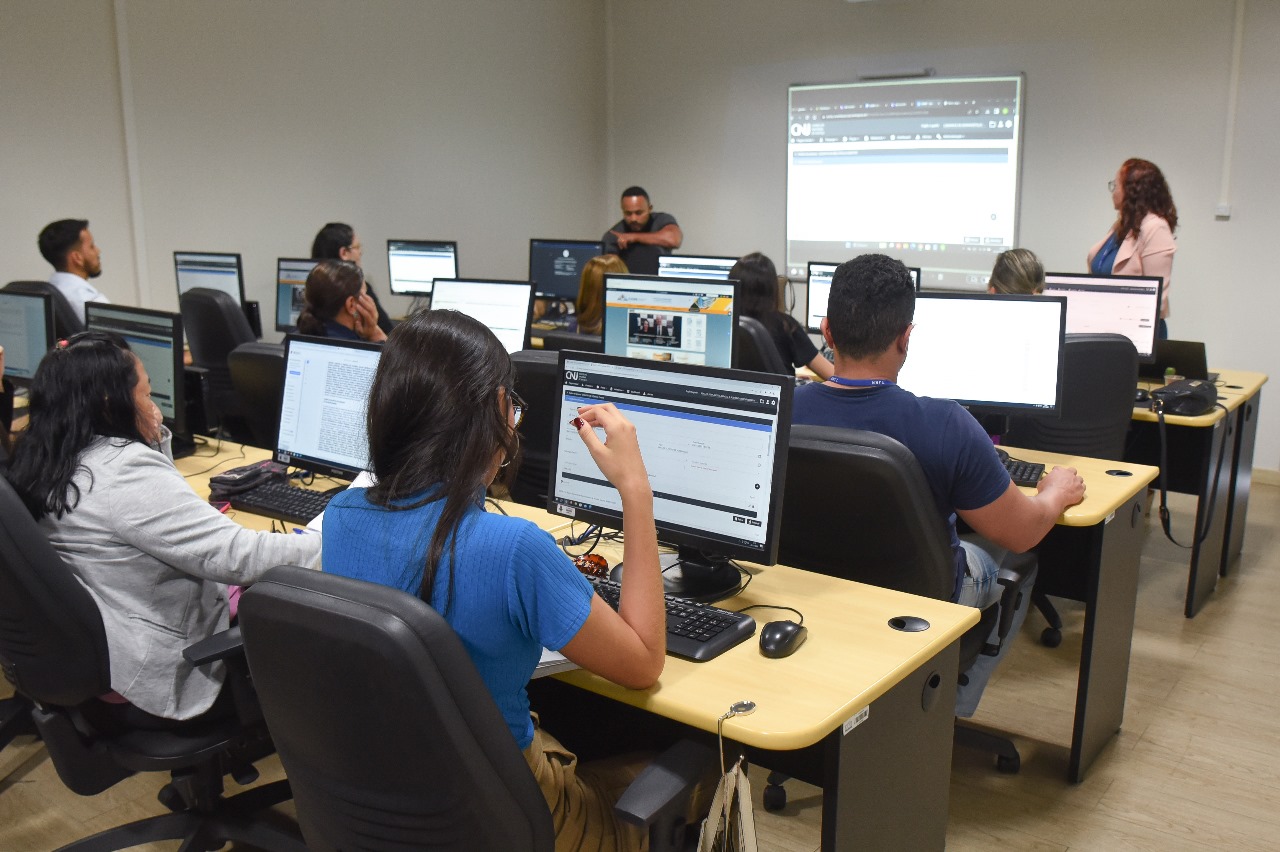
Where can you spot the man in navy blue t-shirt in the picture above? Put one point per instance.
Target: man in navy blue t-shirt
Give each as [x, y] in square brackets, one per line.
[868, 324]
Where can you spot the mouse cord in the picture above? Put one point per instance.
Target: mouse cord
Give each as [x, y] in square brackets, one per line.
[771, 606]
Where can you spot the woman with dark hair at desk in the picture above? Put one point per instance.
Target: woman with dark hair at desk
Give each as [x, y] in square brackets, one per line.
[339, 241]
[92, 467]
[1141, 240]
[338, 304]
[758, 298]
[442, 423]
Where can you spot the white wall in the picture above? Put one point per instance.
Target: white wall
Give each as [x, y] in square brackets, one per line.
[698, 106]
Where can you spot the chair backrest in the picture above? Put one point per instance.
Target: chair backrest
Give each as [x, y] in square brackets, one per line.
[53, 647]
[756, 349]
[554, 341]
[537, 373]
[857, 506]
[214, 324]
[1100, 372]
[65, 320]
[257, 374]
[388, 735]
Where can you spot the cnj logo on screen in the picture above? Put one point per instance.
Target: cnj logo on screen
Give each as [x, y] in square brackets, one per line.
[802, 128]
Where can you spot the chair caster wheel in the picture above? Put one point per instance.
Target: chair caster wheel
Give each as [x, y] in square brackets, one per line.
[775, 797]
[1008, 765]
[1051, 637]
[171, 798]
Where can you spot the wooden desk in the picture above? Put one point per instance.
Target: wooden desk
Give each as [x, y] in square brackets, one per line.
[1092, 555]
[1221, 488]
[861, 709]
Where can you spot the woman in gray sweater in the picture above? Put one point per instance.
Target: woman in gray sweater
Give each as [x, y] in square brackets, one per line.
[155, 557]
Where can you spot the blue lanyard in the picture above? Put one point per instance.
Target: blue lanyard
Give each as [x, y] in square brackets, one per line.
[860, 383]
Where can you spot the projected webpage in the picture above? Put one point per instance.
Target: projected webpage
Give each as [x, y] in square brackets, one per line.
[322, 415]
[988, 351]
[686, 322]
[1110, 305]
[503, 306]
[688, 266]
[25, 333]
[213, 271]
[291, 280]
[415, 264]
[151, 336]
[707, 442]
[926, 170]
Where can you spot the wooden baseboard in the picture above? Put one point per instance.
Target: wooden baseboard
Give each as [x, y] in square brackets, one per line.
[1264, 476]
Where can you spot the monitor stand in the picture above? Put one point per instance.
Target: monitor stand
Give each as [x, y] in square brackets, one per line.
[693, 575]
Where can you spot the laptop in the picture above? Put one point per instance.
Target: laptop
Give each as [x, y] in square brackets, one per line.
[1186, 357]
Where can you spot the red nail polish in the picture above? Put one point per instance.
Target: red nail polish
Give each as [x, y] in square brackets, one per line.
[577, 423]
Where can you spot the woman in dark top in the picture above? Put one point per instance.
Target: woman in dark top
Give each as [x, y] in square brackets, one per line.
[338, 304]
[758, 298]
[339, 241]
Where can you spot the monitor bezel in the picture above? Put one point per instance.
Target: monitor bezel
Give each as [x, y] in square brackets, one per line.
[528, 311]
[239, 270]
[391, 285]
[547, 294]
[49, 334]
[768, 555]
[732, 262]
[310, 463]
[1012, 409]
[1142, 359]
[178, 423]
[734, 313]
[279, 260]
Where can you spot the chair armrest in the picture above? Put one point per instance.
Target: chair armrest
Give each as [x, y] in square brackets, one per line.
[219, 646]
[659, 796]
[1015, 574]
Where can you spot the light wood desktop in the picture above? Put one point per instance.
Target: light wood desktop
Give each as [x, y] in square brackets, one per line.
[861, 709]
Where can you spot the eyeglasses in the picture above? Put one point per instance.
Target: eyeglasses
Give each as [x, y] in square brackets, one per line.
[518, 407]
[1111, 185]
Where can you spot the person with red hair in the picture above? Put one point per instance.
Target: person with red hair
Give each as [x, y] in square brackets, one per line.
[1141, 240]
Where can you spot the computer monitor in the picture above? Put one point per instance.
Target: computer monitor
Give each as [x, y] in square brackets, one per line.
[156, 338]
[291, 282]
[685, 320]
[1115, 304]
[414, 265]
[992, 354]
[693, 266]
[820, 291]
[504, 306]
[322, 411]
[715, 447]
[211, 270]
[555, 266]
[26, 333]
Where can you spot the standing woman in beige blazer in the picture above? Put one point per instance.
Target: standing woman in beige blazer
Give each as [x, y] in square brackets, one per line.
[1141, 240]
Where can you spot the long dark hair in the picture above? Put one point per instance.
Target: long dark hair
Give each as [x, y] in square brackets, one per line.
[435, 423]
[82, 390]
[1145, 191]
[757, 279]
[329, 284]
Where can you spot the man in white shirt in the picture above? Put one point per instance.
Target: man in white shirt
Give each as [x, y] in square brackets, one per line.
[69, 248]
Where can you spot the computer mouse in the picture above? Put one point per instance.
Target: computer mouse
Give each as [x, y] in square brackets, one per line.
[782, 638]
[1141, 395]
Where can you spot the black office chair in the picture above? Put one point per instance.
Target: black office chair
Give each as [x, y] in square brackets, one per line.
[757, 351]
[1099, 374]
[537, 373]
[389, 737]
[65, 320]
[53, 650]
[257, 375]
[556, 339]
[214, 324]
[856, 505]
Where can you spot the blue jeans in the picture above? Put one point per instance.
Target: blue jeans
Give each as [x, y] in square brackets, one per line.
[980, 589]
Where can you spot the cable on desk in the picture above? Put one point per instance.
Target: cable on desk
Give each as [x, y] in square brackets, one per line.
[775, 606]
[216, 466]
[495, 505]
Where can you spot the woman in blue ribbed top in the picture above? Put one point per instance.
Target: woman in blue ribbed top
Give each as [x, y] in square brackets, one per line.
[442, 422]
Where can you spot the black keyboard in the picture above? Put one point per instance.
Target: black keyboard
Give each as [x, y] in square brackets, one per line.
[278, 500]
[1024, 472]
[695, 631]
